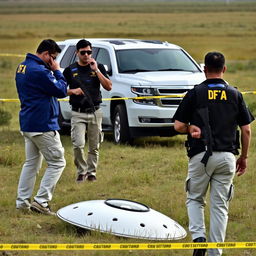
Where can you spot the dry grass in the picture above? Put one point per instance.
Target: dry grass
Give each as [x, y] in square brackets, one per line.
[153, 171]
[234, 33]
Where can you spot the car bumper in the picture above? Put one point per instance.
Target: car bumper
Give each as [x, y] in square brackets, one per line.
[150, 116]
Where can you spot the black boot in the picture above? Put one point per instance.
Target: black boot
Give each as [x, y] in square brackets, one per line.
[199, 252]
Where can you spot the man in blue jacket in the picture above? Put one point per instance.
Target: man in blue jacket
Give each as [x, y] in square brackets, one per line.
[39, 83]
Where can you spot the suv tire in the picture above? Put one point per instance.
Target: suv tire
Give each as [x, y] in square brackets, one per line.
[120, 125]
[64, 129]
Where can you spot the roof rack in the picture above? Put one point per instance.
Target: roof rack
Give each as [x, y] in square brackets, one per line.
[152, 41]
[117, 42]
[124, 41]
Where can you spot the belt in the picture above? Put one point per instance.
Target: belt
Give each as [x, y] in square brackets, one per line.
[85, 110]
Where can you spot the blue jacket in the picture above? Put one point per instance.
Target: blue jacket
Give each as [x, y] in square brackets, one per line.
[38, 88]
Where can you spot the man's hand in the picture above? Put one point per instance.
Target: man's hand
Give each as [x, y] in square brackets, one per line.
[194, 131]
[104, 81]
[241, 164]
[54, 65]
[93, 64]
[77, 91]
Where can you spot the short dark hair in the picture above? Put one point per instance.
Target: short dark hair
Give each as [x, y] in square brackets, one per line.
[48, 45]
[82, 44]
[214, 61]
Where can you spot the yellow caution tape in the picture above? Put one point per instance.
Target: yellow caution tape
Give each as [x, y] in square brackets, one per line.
[125, 98]
[12, 55]
[128, 98]
[109, 99]
[131, 98]
[148, 97]
[249, 92]
[9, 100]
[127, 246]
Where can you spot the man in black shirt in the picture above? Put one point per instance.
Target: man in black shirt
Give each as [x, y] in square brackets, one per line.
[210, 114]
[85, 78]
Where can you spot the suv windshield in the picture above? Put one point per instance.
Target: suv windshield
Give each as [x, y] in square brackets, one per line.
[146, 60]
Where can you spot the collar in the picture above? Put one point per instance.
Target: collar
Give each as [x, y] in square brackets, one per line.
[31, 56]
[216, 81]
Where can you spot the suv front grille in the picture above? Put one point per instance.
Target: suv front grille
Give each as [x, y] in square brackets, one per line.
[172, 101]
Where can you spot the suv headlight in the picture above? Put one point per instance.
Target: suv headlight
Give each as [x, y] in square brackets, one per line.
[141, 92]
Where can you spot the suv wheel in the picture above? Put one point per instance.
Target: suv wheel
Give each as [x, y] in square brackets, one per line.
[64, 129]
[120, 124]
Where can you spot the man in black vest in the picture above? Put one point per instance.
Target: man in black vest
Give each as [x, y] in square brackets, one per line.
[84, 78]
[210, 114]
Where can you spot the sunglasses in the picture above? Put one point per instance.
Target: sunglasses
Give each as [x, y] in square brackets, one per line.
[84, 52]
[54, 57]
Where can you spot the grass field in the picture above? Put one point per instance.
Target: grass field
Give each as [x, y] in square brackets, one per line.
[154, 169]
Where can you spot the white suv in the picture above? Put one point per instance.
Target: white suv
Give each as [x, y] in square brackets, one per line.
[137, 68]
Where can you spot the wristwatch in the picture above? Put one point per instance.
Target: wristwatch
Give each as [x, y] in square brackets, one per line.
[96, 71]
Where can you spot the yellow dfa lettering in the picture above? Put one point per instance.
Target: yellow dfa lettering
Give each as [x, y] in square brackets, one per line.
[217, 94]
[210, 94]
[213, 94]
[21, 69]
[223, 96]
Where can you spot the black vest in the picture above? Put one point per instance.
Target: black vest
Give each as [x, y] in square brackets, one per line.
[89, 83]
[216, 114]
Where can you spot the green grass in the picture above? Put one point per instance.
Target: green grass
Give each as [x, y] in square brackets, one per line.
[153, 170]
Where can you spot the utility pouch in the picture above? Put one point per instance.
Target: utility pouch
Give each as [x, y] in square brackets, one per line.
[231, 193]
[187, 185]
[187, 146]
[101, 136]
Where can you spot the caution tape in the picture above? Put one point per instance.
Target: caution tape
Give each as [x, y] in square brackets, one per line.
[9, 100]
[124, 98]
[12, 55]
[249, 92]
[127, 246]
[131, 98]
[110, 99]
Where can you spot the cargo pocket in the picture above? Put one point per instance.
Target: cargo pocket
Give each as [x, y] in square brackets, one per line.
[187, 185]
[101, 136]
[231, 193]
[55, 153]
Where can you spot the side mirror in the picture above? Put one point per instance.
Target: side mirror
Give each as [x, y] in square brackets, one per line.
[106, 67]
[109, 71]
[201, 66]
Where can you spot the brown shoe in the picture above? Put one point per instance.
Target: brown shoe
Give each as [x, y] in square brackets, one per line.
[91, 177]
[81, 178]
[36, 207]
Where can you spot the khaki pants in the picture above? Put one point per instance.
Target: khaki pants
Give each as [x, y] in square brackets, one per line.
[37, 146]
[90, 123]
[218, 173]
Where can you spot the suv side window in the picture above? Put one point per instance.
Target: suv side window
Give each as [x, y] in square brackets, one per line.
[62, 46]
[103, 58]
[68, 57]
